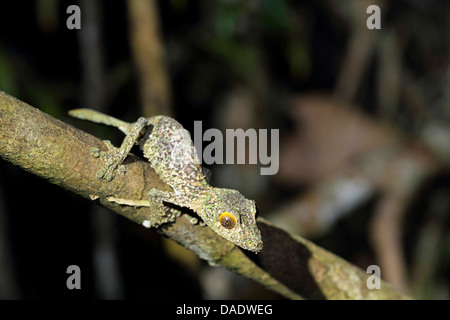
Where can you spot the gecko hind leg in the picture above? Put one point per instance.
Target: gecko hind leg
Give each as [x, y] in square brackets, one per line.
[114, 157]
[157, 197]
[156, 200]
[160, 213]
[105, 156]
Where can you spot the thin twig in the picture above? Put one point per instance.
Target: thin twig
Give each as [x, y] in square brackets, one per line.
[148, 52]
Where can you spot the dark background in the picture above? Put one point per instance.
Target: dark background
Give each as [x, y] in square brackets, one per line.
[230, 63]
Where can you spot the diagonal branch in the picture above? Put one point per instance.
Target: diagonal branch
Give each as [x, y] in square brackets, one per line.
[288, 265]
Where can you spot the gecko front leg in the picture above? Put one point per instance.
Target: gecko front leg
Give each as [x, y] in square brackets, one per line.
[162, 213]
[156, 198]
[115, 156]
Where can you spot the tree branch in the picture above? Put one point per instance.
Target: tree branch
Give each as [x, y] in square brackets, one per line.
[288, 264]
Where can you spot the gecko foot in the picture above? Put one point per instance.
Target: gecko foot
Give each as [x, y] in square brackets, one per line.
[95, 152]
[195, 221]
[166, 214]
[192, 220]
[112, 162]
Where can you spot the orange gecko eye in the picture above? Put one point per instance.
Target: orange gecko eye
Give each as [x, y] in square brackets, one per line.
[227, 220]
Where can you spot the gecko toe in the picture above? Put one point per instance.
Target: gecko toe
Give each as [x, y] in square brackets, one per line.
[95, 152]
[122, 169]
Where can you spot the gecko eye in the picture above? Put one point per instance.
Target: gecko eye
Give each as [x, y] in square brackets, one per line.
[227, 220]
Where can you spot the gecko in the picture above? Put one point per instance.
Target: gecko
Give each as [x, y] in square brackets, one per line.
[173, 156]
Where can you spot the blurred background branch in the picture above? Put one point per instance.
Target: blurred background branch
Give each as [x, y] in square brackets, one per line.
[148, 52]
[364, 123]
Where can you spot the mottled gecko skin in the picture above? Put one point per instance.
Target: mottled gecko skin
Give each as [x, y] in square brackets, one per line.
[171, 153]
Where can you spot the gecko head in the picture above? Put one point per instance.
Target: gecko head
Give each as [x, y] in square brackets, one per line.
[233, 216]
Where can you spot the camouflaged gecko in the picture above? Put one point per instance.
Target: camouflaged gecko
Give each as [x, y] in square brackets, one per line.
[171, 153]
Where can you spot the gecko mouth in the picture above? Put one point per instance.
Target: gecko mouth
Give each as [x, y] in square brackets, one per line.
[255, 247]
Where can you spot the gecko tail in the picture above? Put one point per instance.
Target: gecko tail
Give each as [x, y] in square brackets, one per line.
[98, 117]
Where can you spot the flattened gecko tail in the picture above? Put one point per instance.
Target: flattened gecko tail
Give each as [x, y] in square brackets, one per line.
[98, 117]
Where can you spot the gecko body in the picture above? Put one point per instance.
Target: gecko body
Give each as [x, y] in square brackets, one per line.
[172, 154]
